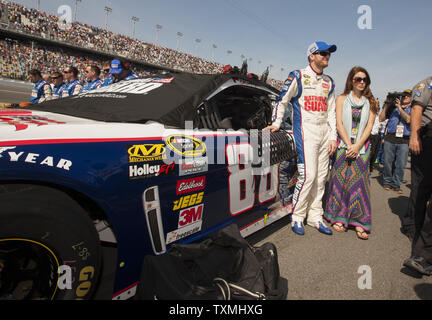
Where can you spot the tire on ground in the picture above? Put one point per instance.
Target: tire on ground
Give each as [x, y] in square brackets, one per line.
[49, 218]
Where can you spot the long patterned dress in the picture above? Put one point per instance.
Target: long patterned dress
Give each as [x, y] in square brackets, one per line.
[348, 200]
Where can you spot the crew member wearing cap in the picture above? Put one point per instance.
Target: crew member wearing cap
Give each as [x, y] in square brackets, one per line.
[119, 71]
[421, 177]
[396, 141]
[311, 94]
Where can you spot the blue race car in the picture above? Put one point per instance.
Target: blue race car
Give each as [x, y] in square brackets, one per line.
[142, 164]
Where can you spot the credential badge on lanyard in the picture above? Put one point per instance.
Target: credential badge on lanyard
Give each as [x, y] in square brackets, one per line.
[399, 130]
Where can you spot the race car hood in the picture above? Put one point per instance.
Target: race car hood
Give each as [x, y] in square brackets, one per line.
[32, 126]
[171, 99]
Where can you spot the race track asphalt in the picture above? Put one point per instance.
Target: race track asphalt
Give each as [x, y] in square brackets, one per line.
[317, 266]
[14, 92]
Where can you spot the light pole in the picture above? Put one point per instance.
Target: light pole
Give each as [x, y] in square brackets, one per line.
[158, 28]
[228, 53]
[76, 9]
[214, 47]
[196, 46]
[108, 10]
[282, 69]
[38, 5]
[134, 20]
[179, 35]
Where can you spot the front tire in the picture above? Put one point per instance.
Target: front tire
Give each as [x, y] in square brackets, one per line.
[44, 231]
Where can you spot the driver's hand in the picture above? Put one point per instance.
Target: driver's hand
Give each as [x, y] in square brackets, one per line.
[271, 128]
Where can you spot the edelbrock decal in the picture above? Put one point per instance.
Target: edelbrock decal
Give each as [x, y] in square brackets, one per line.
[190, 185]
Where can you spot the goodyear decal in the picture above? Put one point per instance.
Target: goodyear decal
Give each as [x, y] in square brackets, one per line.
[185, 145]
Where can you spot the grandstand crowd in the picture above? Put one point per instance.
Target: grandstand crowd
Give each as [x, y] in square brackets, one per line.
[20, 56]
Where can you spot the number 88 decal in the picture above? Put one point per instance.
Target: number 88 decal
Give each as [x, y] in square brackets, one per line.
[241, 181]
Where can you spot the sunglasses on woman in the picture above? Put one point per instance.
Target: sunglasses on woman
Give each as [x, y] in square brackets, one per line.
[359, 80]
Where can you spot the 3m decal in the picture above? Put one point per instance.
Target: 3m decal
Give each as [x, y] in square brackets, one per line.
[191, 166]
[143, 171]
[187, 201]
[185, 145]
[190, 185]
[35, 158]
[190, 215]
[146, 152]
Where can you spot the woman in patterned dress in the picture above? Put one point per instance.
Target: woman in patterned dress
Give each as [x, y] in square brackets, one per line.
[348, 202]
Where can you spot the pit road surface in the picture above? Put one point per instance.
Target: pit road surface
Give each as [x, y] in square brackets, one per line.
[318, 266]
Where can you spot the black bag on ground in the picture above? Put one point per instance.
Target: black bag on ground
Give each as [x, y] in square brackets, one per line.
[224, 266]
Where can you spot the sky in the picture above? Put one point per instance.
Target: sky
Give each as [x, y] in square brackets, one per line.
[392, 39]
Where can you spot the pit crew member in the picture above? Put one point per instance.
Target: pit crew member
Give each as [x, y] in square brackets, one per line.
[42, 90]
[92, 74]
[58, 85]
[119, 71]
[73, 85]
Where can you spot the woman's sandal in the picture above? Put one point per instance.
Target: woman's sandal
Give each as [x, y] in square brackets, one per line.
[361, 234]
[338, 227]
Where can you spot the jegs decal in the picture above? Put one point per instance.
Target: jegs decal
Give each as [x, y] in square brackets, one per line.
[187, 201]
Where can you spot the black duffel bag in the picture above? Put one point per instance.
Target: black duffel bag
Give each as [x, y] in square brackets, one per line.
[222, 267]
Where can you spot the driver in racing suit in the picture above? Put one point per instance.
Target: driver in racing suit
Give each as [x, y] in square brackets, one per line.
[311, 94]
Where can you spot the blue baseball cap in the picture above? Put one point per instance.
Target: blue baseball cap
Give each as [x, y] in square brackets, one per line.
[116, 67]
[320, 46]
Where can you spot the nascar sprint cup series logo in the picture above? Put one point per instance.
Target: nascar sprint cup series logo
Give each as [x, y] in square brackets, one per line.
[185, 145]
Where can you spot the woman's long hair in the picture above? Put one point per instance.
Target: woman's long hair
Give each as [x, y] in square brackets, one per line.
[366, 92]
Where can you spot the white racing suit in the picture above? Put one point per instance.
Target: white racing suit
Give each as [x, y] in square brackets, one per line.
[314, 124]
